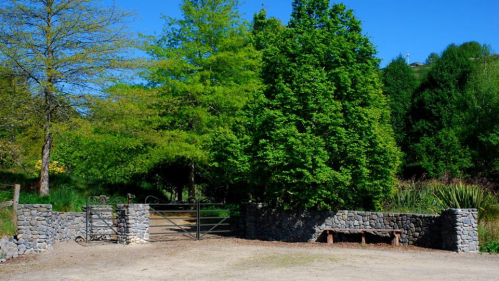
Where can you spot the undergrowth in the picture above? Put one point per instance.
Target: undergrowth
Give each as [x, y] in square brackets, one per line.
[431, 197]
[7, 221]
[64, 198]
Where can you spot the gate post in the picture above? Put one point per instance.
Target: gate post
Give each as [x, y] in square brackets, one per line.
[133, 223]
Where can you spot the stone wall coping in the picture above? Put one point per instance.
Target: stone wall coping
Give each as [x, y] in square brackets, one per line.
[34, 206]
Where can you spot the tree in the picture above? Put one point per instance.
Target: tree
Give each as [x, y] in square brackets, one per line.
[441, 114]
[65, 49]
[205, 72]
[321, 134]
[399, 84]
[483, 108]
[432, 58]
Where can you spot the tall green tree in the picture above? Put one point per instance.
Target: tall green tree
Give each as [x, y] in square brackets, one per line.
[66, 49]
[205, 72]
[399, 84]
[442, 115]
[322, 136]
[483, 108]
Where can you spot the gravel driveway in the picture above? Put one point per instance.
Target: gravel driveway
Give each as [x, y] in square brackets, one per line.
[236, 259]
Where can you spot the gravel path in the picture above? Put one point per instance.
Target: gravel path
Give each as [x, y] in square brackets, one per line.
[235, 259]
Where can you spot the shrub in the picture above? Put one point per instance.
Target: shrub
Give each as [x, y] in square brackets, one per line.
[462, 196]
[490, 247]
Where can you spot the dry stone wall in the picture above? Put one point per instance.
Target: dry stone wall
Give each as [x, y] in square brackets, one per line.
[133, 222]
[39, 228]
[452, 230]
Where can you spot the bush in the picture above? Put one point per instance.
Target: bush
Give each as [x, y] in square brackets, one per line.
[462, 196]
[413, 197]
[490, 247]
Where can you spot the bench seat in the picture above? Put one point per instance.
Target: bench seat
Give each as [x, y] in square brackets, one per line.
[395, 233]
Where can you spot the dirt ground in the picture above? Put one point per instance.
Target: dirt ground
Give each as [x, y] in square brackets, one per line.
[236, 259]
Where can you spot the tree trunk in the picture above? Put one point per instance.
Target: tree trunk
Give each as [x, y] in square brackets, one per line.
[49, 107]
[178, 196]
[192, 189]
[44, 175]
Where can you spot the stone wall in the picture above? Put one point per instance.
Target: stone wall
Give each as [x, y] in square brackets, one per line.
[453, 230]
[133, 222]
[38, 228]
[460, 228]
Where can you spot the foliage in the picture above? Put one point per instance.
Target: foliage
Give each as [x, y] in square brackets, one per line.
[65, 49]
[7, 221]
[432, 58]
[441, 139]
[490, 247]
[488, 232]
[63, 199]
[462, 196]
[204, 73]
[413, 197]
[483, 105]
[399, 83]
[321, 136]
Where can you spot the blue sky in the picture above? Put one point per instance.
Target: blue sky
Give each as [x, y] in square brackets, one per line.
[394, 26]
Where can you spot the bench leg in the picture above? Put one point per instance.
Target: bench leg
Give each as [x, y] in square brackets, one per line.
[395, 239]
[329, 237]
[363, 238]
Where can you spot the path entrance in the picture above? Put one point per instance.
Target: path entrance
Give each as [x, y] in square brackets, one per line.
[192, 221]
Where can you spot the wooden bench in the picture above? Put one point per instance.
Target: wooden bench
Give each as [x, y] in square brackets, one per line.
[395, 233]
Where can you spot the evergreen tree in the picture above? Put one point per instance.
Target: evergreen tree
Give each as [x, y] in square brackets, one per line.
[442, 116]
[399, 84]
[322, 136]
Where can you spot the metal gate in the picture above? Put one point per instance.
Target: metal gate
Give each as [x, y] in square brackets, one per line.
[100, 216]
[195, 221]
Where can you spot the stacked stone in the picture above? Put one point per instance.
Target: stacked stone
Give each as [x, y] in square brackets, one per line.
[100, 222]
[8, 249]
[453, 230]
[121, 223]
[34, 228]
[460, 230]
[413, 226]
[68, 226]
[133, 219]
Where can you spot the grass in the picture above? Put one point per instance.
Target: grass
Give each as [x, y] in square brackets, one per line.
[64, 198]
[7, 221]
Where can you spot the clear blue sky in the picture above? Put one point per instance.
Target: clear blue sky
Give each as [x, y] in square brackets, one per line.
[394, 26]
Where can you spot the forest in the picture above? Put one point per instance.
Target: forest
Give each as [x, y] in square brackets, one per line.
[297, 115]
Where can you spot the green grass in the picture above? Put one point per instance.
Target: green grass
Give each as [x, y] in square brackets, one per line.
[231, 210]
[64, 198]
[490, 247]
[421, 71]
[7, 221]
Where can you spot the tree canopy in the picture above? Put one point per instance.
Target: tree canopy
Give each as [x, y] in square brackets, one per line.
[321, 137]
[64, 49]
